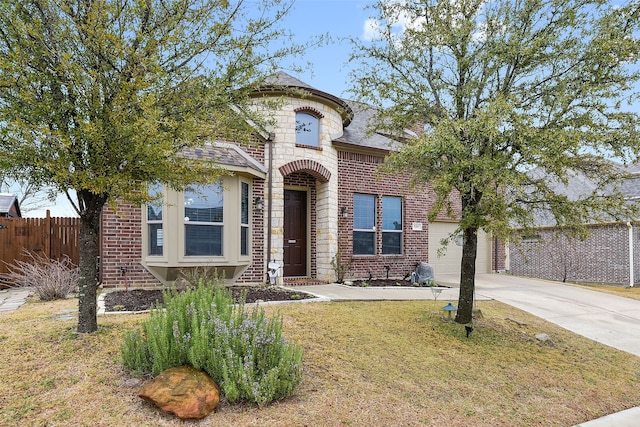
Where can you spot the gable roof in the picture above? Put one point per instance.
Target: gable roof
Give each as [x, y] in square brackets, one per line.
[579, 185]
[232, 157]
[630, 187]
[7, 202]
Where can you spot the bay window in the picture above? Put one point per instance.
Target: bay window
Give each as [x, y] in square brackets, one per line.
[154, 221]
[244, 218]
[203, 220]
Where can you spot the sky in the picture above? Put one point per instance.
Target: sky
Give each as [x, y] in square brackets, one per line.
[329, 69]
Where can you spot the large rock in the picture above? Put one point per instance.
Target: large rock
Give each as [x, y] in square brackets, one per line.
[184, 391]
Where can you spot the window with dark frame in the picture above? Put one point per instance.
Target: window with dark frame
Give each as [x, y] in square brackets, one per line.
[364, 220]
[154, 220]
[391, 225]
[307, 129]
[244, 219]
[203, 220]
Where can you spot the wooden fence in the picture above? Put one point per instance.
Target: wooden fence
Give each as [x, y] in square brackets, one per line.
[50, 237]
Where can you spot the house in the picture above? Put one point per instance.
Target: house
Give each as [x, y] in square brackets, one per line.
[306, 195]
[609, 254]
[9, 206]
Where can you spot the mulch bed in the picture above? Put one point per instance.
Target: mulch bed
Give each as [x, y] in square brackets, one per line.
[144, 299]
[385, 282]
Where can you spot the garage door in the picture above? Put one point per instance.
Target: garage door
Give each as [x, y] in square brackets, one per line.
[449, 262]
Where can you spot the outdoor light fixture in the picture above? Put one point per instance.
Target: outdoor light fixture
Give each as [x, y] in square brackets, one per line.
[258, 203]
[449, 308]
[343, 212]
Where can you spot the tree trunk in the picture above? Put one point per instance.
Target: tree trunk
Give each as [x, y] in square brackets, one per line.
[467, 276]
[89, 252]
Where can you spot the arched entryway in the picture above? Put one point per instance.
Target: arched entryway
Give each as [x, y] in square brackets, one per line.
[300, 216]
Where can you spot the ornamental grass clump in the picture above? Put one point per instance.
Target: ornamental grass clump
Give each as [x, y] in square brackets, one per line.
[50, 279]
[242, 350]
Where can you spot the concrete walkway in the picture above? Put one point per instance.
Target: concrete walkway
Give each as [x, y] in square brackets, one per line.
[12, 298]
[336, 292]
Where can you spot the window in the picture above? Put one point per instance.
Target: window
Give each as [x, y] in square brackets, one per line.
[391, 225]
[244, 219]
[154, 220]
[307, 129]
[203, 219]
[531, 238]
[364, 220]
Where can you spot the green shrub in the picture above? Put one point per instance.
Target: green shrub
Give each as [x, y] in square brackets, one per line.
[242, 350]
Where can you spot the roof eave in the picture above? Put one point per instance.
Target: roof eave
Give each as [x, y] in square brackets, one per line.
[290, 90]
[349, 146]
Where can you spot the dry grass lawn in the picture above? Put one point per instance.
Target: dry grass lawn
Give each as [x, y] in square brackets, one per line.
[366, 364]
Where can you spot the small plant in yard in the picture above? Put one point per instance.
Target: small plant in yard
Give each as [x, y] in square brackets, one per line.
[191, 277]
[49, 278]
[341, 265]
[243, 351]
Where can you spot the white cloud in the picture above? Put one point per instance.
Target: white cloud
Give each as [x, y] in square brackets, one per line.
[402, 19]
[371, 30]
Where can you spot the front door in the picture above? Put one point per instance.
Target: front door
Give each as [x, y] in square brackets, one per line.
[295, 233]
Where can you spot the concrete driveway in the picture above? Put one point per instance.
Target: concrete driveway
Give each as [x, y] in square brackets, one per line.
[605, 318]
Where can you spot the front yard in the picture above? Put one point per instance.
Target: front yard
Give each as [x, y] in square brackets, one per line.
[374, 363]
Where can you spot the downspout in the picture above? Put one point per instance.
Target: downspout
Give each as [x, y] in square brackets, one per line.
[269, 204]
[630, 228]
[495, 255]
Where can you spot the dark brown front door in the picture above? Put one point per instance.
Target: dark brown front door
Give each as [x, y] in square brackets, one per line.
[295, 233]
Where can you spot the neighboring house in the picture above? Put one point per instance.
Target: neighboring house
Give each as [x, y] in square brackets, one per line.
[610, 254]
[9, 206]
[305, 194]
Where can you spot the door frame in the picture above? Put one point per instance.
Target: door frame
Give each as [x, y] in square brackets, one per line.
[306, 190]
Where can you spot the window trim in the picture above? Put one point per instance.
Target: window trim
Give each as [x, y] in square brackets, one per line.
[400, 231]
[219, 224]
[149, 222]
[245, 226]
[311, 112]
[363, 230]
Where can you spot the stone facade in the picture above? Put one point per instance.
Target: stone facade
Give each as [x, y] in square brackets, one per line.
[320, 165]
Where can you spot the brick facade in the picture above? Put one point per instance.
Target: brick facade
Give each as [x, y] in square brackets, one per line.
[357, 174]
[256, 272]
[121, 249]
[601, 258]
